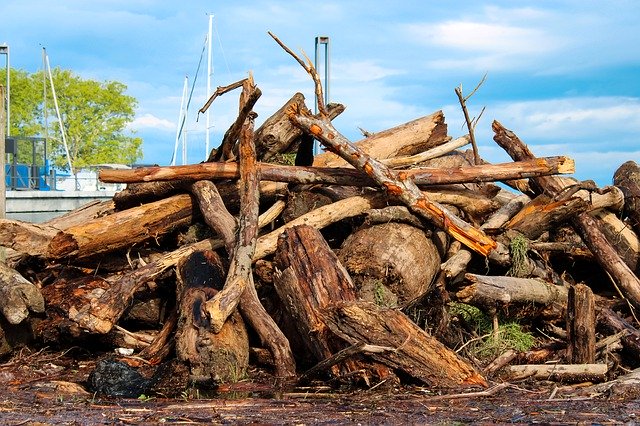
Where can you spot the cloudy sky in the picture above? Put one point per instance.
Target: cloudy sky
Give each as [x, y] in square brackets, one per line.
[563, 75]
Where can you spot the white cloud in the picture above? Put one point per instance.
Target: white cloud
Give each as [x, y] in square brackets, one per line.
[577, 117]
[151, 121]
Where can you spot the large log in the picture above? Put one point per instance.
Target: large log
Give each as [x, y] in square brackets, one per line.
[391, 264]
[422, 176]
[402, 344]
[123, 228]
[406, 139]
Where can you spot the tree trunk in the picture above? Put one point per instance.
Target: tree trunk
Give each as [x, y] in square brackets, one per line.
[309, 277]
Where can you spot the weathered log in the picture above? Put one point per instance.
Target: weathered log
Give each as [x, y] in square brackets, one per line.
[214, 212]
[123, 228]
[542, 214]
[627, 178]
[422, 176]
[24, 237]
[309, 277]
[278, 135]
[221, 356]
[406, 139]
[402, 344]
[489, 291]
[581, 325]
[567, 373]
[625, 386]
[391, 264]
[18, 296]
[436, 151]
[239, 275]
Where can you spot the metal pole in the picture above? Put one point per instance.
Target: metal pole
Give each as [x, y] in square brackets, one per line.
[324, 40]
[4, 50]
[209, 71]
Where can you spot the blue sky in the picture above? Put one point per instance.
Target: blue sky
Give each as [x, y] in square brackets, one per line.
[563, 75]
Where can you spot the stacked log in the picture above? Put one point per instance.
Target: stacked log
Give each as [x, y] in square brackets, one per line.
[325, 263]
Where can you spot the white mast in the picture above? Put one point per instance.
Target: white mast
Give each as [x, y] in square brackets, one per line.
[55, 103]
[182, 118]
[209, 72]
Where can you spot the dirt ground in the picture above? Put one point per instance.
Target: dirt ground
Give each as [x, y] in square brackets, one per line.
[47, 387]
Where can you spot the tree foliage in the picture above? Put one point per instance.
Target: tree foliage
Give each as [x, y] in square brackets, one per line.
[95, 116]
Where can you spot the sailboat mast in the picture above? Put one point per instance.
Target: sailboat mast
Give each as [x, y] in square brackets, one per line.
[209, 71]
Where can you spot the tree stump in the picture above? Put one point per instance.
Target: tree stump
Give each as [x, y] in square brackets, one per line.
[581, 325]
[221, 357]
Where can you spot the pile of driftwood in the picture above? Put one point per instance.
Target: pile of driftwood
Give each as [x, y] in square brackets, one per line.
[317, 268]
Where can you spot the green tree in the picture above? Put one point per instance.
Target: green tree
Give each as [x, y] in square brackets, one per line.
[95, 116]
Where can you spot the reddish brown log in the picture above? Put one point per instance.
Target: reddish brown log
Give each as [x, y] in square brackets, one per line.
[397, 342]
[542, 214]
[308, 278]
[239, 275]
